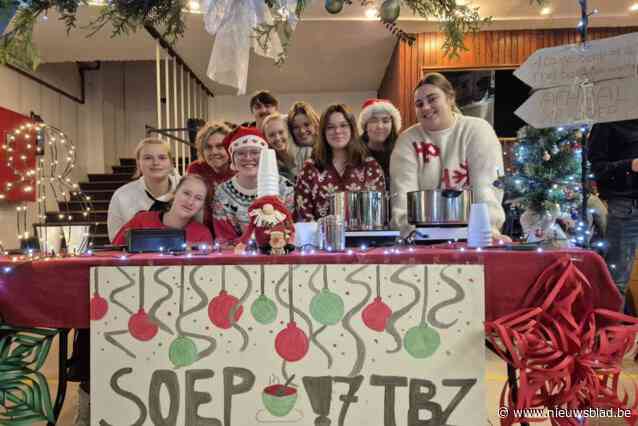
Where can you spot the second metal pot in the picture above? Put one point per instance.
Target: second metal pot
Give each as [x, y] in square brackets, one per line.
[362, 211]
[439, 207]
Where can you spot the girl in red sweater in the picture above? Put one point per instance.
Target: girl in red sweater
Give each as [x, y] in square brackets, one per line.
[190, 196]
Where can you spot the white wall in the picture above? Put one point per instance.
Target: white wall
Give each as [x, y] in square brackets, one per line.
[236, 108]
[120, 100]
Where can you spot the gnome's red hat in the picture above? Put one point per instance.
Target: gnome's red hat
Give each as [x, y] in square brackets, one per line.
[244, 137]
[371, 106]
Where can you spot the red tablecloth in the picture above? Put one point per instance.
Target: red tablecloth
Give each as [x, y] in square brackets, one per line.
[55, 293]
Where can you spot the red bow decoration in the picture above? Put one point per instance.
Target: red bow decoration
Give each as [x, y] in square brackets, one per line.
[568, 354]
[426, 150]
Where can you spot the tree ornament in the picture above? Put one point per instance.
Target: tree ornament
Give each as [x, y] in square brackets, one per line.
[390, 10]
[99, 306]
[334, 6]
[219, 310]
[546, 156]
[140, 324]
[182, 352]
[422, 341]
[326, 307]
[376, 315]
[291, 343]
[263, 308]
[224, 306]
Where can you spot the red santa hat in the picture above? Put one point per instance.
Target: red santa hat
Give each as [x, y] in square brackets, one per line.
[244, 137]
[372, 106]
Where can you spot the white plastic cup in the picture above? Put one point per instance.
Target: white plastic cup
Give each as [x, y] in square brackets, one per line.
[479, 232]
[267, 173]
[306, 234]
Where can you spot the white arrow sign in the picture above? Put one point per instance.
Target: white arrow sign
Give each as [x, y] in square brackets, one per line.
[611, 100]
[604, 59]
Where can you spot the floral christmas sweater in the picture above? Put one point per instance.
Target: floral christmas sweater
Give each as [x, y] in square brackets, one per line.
[230, 208]
[314, 186]
[467, 155]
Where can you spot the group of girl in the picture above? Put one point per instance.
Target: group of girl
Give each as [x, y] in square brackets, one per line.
[316, 156]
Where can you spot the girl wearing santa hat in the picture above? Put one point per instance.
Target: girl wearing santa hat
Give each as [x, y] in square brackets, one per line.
[152, 191]
[340, 162]
[303, 125]
[446, 150]
[380, 123]
[233, 197]
[213, 163]
[274, 128]
[189, 199]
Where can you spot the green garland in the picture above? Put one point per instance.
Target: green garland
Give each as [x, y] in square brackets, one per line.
[126, 16]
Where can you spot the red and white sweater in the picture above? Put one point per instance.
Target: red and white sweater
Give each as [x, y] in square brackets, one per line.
[466, 155]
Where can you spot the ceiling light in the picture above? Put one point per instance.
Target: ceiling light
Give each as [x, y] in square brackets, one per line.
[633, 7]
[546, 11]
[371, 13]
[193, 5]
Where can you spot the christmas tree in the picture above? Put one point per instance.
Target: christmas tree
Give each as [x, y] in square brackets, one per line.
[545, 179]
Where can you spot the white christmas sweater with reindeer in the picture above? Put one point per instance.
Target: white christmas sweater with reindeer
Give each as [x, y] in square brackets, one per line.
[467, 155]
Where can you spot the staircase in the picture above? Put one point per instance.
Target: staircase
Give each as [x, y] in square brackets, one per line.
[100, 188]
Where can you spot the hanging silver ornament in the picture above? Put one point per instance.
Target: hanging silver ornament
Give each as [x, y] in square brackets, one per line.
[334, 6]
[389, 10]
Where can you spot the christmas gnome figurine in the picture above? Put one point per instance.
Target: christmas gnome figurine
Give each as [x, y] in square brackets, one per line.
[272, 225]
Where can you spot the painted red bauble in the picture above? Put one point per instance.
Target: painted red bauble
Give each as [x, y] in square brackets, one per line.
[220, 307]
[99, 307]
[291, 343]
[141, 326]
[375, 316]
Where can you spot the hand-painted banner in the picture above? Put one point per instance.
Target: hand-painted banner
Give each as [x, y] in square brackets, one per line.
[378, 345]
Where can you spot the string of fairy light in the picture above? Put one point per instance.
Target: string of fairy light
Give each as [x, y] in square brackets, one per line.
[50, 177]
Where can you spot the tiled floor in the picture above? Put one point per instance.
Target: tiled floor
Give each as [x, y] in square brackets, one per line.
[496, 376]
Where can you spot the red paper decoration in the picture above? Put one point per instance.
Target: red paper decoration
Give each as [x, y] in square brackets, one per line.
[291, 343]
[141, 326]
[220, 307]
[375, 316]
[99, 307]
[567, 353]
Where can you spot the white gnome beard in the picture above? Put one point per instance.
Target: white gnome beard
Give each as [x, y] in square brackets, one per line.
[263, 219]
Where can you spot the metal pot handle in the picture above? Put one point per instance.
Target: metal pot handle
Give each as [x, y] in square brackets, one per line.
[451, 193]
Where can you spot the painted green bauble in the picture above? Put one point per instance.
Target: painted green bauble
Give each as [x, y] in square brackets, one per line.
[334, 6]
[389, 10]
[327, 307]
[264, 310]
[421, 341]
[182, 352]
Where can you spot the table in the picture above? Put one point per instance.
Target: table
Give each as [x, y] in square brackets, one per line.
[54, 293]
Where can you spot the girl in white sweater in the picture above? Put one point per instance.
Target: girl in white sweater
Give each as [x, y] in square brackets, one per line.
[446, 150]
[153, 189]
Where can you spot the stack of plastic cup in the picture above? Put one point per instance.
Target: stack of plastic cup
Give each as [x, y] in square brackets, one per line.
[479, 232]
[267, 174]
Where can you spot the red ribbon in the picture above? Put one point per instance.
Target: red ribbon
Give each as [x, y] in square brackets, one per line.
[567, 354]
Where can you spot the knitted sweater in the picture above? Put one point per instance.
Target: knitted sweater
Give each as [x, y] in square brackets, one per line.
[196, 233]
[314, 186]
[230, 208]
[466, 155]
[130, 199]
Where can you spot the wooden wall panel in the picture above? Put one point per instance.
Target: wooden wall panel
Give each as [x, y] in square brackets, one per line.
[488, 49]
